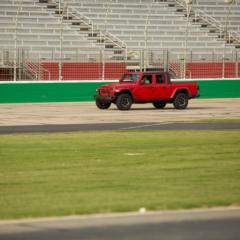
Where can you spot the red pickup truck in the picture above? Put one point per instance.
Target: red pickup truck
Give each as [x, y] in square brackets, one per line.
[146, 87]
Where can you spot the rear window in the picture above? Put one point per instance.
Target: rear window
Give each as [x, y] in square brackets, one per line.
[159, 79]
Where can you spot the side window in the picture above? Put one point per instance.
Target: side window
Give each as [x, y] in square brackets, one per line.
[159, 79]
[147, 79]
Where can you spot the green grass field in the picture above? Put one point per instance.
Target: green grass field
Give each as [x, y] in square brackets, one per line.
[117, 171]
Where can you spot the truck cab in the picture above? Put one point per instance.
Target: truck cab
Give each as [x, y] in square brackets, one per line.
[146, 87]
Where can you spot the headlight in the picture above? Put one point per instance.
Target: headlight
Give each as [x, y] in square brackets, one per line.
[115, 90]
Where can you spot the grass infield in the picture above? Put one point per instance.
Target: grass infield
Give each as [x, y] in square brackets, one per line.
[117, 171]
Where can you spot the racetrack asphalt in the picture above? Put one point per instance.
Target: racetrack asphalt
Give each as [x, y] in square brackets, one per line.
[86, 113]
[68, 117]
[120, 126]
[218, 224]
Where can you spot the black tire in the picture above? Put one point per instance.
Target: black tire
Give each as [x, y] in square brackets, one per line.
[159, 105]
[102, 105]
[180, 101]
[124, 101]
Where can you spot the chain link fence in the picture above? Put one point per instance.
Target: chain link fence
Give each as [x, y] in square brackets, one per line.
[109, 64]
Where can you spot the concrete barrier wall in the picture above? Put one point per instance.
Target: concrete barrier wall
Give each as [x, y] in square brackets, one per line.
[22, 92]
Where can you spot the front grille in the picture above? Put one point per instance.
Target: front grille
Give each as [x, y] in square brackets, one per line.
[104, 91]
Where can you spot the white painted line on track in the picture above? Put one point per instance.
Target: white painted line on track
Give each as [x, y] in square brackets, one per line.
[146, 125]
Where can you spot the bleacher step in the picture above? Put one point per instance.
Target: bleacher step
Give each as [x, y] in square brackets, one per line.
[43, 1]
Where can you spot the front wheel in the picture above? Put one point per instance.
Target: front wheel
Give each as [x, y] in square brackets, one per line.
[124, 101]
[159, 105]
[102, 105]
[180, 101]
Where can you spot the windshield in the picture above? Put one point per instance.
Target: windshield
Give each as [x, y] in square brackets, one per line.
[129, 78]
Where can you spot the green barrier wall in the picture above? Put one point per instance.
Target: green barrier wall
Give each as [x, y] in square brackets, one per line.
[48, 92]
[84, 91]
[219, 88]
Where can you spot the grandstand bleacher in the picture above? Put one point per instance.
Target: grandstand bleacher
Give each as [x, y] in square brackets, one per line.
[219, 9]
[92, 39]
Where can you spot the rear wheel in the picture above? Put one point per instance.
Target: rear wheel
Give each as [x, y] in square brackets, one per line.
[102, 105]
[159, 105]
[124, 101]
[180, 101]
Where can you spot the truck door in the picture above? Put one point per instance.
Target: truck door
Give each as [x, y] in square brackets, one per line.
[163, 87]
[146, 89]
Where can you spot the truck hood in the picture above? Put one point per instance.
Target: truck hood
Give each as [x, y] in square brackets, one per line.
[118, 86]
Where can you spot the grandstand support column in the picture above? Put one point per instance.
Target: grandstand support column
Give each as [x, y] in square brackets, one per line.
[15, 42]
[125, 55]
[109, 2]
[141, 59]
[146, 35]
[103, 63]
[15, 57]
[61, 40]
[188, 9]
[226, 34]
[236, 64]
[20, 60]
[166, 60]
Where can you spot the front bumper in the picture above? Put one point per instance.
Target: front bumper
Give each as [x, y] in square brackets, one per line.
[104, 99]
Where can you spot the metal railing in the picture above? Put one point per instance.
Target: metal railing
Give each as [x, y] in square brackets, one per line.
[33, 70]
[202, 15]
[95, 27]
